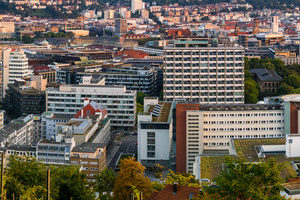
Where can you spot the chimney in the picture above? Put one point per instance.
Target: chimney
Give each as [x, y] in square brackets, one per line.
[86, 102]
[175, 187]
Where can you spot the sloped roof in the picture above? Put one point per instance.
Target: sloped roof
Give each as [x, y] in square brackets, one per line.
[266, 74]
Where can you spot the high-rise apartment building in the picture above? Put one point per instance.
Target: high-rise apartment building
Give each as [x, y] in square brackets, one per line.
[14, 67]
[201, 70]
[136, 5]
[120, 27]
[275, 24]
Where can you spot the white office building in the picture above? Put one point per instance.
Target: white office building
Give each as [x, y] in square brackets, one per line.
[119, 103]
[211, 128]
[203, 71]
[137, 5]
[155, 132]
[14, 67]
[49, 121]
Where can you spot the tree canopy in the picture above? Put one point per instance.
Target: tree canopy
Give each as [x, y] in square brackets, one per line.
[27, 179]
[105, 182]
[130, 179]
[252, 181]
[290, 75]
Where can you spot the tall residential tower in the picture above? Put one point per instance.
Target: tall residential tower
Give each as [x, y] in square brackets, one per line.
[203, 71]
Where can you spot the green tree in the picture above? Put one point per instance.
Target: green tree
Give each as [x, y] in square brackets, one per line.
[184, 179]
[140, 97]
[27, 39]
[131, 174]
[23, 174]
[71, 184]
[292, 80]
[139, 108]
[105, 181]
[251, 91]
[27, 178]
[249, 181]
[157, 186]
[284, 89]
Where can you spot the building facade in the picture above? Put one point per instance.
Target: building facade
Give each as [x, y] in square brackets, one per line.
[141, 79]
[210, 128]
[155, 133]
[203, 71]
[118, 102]
[14, 67]
[22, 100]
[91, 157]
[19, 132]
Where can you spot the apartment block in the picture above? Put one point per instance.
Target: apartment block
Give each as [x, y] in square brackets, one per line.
[209, 129]
[55, 151]
[141, 79]
[155, 132]
[201, 70]
[90, 124]
[91, 157]
[49, 121]
[18, 132]
[22, 100]
[119, 103]
[14, 67]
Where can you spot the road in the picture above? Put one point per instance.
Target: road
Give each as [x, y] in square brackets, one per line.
[128, 145]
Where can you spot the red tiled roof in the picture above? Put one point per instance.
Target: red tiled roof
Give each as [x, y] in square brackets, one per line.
[132, 54]
[90, 109]
[38, 69]
[183, 192]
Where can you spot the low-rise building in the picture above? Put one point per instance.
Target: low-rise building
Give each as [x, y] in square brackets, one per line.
[47, 73]
[267, 79]
[49, 121]
[155, 132]
[17, 132]
[90, 124]
[91, 157]
[55, 151]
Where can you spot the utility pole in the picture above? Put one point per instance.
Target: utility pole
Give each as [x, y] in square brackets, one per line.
[2, 175]
[48, 184]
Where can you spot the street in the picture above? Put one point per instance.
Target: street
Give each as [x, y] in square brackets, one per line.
[128, 145]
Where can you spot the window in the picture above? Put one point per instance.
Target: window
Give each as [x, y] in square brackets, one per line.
[150, 154]
[150, 134]
[150, 141]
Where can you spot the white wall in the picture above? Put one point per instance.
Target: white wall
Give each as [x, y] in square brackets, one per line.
[293, 145]
[163, 139]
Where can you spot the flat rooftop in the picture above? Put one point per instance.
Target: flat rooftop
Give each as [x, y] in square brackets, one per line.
[163, 113]
[88, 147]
[211, 165]
[10, 128]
